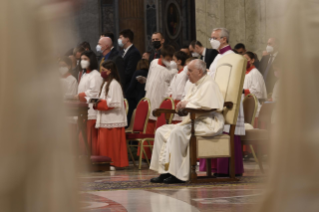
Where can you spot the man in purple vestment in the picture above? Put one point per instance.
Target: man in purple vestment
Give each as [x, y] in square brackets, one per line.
[220, 166]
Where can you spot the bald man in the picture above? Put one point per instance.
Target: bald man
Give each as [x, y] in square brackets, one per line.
[106, 48]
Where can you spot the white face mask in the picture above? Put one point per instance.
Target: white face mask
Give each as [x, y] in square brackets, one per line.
[85, 64]
[166, 63]
[195, 54]
[63, 70]
[120, 42]
[269, 49]
[99, 48]
[215, 44]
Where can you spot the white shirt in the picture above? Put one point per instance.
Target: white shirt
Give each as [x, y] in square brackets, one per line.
[204, 54]
[255, 83]
[116, 117]
[125, 50]
[157, 83]
[90, 84]
[177, 88]
[69, 86]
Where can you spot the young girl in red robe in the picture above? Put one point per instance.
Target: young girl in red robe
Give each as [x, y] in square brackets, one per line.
[111, 117]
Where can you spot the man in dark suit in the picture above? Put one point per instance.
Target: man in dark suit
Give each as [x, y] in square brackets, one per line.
[157, 42]
[240, 48]
[131, 56]
[198, 50]
[108, 52]
[269, 57]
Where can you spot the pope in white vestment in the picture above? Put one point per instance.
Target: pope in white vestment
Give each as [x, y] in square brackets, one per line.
[172, 141]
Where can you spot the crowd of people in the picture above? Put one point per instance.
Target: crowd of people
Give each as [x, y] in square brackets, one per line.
[107, 78]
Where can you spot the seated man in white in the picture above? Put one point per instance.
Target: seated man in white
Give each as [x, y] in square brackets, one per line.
[170, 156]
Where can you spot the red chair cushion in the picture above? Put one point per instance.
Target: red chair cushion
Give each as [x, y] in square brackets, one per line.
[100, 159]
[132, 136]
[166, 104]
[140, 116]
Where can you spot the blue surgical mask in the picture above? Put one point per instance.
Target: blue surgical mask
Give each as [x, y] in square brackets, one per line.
[120, 42]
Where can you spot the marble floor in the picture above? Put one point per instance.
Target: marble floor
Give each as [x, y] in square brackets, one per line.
[239, 198]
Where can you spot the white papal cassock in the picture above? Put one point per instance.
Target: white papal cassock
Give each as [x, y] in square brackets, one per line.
[240, 125]
[254, 82]
[157, 83]
[172, 141]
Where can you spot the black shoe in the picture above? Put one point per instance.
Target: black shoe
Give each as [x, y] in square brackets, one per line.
[173, 180]
[160, 178]
[226, 175]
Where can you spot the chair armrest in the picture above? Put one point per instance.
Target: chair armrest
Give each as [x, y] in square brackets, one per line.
[159, 111]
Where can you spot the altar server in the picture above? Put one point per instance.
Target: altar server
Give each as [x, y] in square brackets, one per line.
[176, 90]
[69, 83]
[160, 74]
[172, 141]
[89, 86]
[111, 117]
[254, 82]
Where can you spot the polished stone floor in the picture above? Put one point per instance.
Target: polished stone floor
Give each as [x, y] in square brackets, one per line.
[230, 198]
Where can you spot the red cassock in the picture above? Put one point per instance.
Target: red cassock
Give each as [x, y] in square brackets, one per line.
[111, 142]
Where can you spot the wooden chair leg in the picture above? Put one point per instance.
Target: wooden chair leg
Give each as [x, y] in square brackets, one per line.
[131, 154]
[232, 146]
[209, 167]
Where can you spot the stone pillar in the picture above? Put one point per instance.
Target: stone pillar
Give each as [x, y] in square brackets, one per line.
[131, 16]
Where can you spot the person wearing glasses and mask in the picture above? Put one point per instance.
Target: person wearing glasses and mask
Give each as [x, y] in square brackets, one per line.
[130, 54]
[199, 51]
[220, 166]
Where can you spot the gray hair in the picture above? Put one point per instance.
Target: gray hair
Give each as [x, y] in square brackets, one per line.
[224, 33]
[201, 65]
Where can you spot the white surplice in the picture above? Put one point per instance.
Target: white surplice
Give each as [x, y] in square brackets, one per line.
[172, 141]
[157, 83]
[90, 84]
[176, 90]
[69, 86]
[240, 125]
[255, 83]
[115, 117]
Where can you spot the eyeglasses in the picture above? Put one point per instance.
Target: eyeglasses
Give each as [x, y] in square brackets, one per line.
[214, 39]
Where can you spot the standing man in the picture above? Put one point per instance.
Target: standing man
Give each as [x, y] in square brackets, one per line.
[131, 56]
[157, 42]
[206, 55]
[220, 41]
[240, 48]
[269, 56]
[106, 48]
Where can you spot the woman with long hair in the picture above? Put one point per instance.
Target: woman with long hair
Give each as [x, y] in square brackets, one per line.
[111, 117]
[90, 81]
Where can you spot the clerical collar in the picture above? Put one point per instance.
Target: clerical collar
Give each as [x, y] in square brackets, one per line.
[249, 70]
[181, 70]
[87, 71]
[225, 49]
[201, 80]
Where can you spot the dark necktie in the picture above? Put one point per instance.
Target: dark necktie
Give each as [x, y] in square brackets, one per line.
[271, 59]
